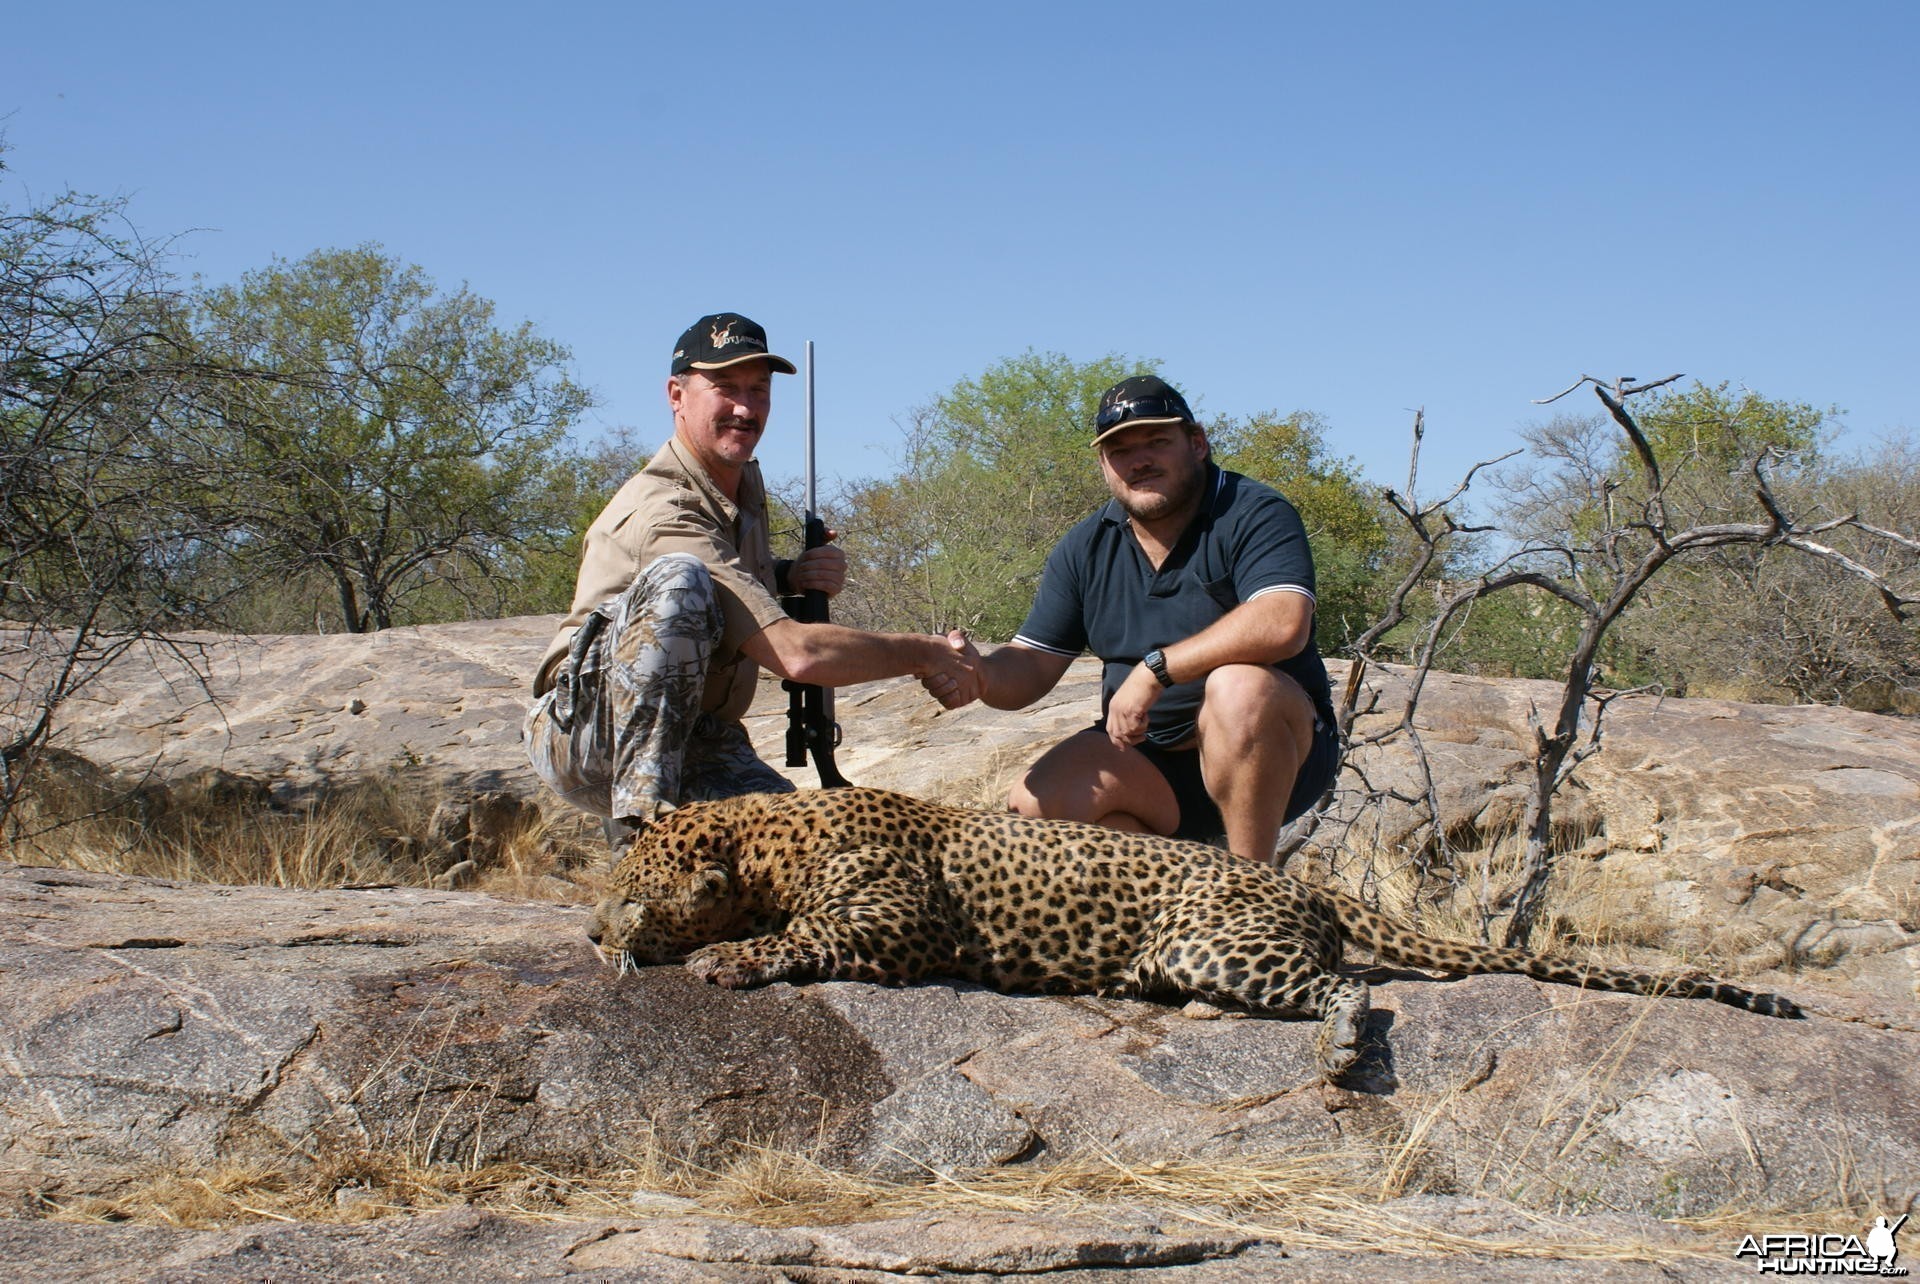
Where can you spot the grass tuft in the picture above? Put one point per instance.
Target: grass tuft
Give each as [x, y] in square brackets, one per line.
[215, 827]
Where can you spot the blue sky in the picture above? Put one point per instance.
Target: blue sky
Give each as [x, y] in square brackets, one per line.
[1351, 209]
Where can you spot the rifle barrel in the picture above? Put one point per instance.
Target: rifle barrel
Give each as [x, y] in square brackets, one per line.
[812, 507]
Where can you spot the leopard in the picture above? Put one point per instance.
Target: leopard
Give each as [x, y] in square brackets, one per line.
[860, 884]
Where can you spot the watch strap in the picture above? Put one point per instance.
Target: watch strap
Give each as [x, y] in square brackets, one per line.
[1156, 662]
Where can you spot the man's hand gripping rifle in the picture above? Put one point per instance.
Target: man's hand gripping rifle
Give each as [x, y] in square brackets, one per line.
[810, 723]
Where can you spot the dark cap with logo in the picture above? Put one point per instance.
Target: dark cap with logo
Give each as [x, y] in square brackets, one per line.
[1143, 399]
[724, 339]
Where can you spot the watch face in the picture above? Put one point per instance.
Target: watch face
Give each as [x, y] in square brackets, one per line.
[1156, 662]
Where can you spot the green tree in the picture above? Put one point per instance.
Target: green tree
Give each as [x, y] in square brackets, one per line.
[404, 449]
[996, 470]
[993, 473]
[1345, 520]
[582, 484]
[1717, 429]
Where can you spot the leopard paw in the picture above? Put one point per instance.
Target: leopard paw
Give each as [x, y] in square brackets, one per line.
[1336, 1051]
[1338, 1044]
[727, 966]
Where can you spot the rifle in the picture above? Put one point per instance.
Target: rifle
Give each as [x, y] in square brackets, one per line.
[810, 723]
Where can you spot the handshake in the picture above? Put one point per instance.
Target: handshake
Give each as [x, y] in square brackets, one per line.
[955, 674]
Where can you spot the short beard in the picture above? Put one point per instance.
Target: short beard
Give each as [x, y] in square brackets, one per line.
[1180, 494]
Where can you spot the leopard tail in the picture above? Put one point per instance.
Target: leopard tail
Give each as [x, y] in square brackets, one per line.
[1395, 942]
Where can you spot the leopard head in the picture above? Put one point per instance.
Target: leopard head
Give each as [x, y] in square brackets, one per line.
[670, 893]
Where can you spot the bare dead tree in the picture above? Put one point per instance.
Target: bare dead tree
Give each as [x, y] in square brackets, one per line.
[1634, 533]
[1599, 577]
[1434, 526]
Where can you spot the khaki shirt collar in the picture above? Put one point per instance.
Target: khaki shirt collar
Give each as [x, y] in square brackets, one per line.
[672, 460]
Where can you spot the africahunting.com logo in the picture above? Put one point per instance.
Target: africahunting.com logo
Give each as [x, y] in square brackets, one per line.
[1827, 1254]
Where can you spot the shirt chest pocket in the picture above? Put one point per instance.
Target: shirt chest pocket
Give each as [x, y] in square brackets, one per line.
[1208, 571]
[1188, 603]
[1222, 592]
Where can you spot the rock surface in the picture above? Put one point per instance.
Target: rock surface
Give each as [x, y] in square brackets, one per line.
[150, 1019]
[1088, 1248]
[154, 1023]
[1772, 836]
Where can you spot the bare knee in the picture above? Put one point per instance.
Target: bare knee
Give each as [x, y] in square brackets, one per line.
[1022, 801]
[1086, 778]
[1052, 798]
[1249, 702]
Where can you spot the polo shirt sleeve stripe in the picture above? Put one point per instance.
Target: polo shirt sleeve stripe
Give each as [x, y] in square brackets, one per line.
[1302, 590]
[1036, 645]
[1265, 542]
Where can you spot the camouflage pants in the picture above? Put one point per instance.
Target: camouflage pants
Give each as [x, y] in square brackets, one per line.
[622, 731]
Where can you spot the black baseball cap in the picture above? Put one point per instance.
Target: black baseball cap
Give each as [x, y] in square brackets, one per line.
[721, 340]
[1143, 399]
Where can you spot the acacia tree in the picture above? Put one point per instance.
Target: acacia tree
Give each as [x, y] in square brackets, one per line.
[403, 447]
[104, 466]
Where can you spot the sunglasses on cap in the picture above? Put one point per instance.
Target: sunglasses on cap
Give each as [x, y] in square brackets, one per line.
[1116, 413]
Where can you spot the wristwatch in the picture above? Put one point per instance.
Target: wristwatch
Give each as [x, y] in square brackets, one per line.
[1156, 662]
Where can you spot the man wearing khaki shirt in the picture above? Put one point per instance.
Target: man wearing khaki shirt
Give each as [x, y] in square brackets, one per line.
[640, 695]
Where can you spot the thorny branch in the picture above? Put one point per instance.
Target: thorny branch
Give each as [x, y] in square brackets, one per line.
[1433, 525]
[1599, 578]
[1557, 752]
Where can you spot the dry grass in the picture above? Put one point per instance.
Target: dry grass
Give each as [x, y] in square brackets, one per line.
[1329, 1200]
[1339, 1199]
[987, 788]
[1309, 1200]
[225, 829]
[1346, 1196]
[1600, 908]
[561, 855]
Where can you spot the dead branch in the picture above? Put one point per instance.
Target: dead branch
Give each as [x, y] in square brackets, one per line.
[1641, 448]
[1623, 386]
[1891, 537]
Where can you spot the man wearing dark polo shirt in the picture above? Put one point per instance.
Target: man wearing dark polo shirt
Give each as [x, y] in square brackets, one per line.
[1194, 586]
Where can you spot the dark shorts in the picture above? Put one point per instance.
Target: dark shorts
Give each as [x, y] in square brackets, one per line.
[1200, 818]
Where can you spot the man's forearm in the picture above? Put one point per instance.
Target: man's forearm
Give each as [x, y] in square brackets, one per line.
[1013, 677]
[831, 655]
[1264, 631]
